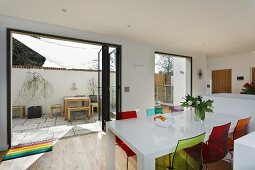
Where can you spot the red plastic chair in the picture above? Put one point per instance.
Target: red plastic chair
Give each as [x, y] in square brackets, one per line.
[241, 129]
[120, 116]
[216, 148]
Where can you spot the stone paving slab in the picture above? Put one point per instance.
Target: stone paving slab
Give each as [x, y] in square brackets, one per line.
[60, 128]
[53, 119]
[64, 134]
[25, 127]
[83, 132]
[33, 121]
[18, 122]
[79, 122]
[40, 129]
[59, 119]
[90, 127]
[46, 124]
[63, 123]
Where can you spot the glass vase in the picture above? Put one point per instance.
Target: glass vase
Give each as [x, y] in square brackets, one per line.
[199, 115]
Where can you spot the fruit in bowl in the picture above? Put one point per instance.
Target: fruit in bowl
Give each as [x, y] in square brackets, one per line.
[162, 118]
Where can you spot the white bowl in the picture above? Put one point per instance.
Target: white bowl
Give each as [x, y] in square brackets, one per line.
[168, 122]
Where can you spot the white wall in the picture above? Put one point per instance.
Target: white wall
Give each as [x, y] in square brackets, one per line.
[137, 66]
[179, 79]
[199, 85]
[240, 64]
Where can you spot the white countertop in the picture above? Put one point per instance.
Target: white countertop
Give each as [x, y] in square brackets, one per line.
[231, 95]
[248, 140]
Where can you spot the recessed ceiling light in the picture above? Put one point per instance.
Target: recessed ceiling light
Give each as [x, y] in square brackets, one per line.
[64, 10]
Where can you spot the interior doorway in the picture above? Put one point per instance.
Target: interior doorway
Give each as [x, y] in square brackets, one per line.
[222, 81]
[253, 75]
[80, 79]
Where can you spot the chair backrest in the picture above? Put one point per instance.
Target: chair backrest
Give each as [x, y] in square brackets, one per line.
[176, 108]
[86, 102]
[153, 111]
[218, 143]
[158, 110]
[150, 112]
[241, 128]
[93, 98]
[188, 153]
[126, 115]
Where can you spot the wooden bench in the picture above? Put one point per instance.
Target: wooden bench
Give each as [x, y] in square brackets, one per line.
[72, 109]
[56, 106]
[20, 109]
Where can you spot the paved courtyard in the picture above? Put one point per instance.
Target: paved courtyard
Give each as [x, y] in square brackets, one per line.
[33, 130]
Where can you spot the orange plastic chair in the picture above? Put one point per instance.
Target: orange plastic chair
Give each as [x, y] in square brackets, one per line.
[241, 129]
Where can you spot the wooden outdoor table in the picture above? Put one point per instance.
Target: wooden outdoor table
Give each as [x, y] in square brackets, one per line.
[68, 100]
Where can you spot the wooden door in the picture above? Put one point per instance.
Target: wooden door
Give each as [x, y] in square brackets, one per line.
[222, 81]
[253, 75]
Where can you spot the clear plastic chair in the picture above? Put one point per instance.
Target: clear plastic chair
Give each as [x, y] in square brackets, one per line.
[153, 111]
[187, 155]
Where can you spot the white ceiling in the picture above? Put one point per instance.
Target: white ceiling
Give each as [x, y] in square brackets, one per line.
[210, 27]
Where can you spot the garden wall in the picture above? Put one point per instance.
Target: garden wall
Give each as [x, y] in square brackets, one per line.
[62, 81]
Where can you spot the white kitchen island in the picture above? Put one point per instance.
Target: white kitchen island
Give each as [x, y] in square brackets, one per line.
[238, 105]
[244, 150]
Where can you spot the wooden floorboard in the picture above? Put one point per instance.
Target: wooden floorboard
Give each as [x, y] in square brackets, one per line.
[80, 153]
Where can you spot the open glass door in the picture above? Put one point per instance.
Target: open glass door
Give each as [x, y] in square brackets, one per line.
[110, 79]
[99, 85]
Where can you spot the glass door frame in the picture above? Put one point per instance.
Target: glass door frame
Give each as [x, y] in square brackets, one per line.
[106, 83]
[9, 32]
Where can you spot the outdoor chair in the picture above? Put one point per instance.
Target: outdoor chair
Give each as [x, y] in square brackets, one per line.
[56, 106]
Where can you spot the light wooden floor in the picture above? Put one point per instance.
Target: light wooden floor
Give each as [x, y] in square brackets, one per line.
[84, 152]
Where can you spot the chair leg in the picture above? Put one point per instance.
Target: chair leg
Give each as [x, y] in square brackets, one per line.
[69, 116]
[51, 113]
[61, 113]
[89, 112]
[127, 163]
[231, 159]
[206, 167]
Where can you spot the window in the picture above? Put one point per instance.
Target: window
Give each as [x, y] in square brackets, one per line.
[172, 78]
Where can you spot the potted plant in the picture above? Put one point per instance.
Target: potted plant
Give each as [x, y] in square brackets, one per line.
[34, 88]
[249, 88]
[201, 106]
[93, 90]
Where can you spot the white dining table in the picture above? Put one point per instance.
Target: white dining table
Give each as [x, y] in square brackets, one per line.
[150, 141]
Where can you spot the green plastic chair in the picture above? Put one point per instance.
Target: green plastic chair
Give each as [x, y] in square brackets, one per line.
[153, 111]
[187, 155]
